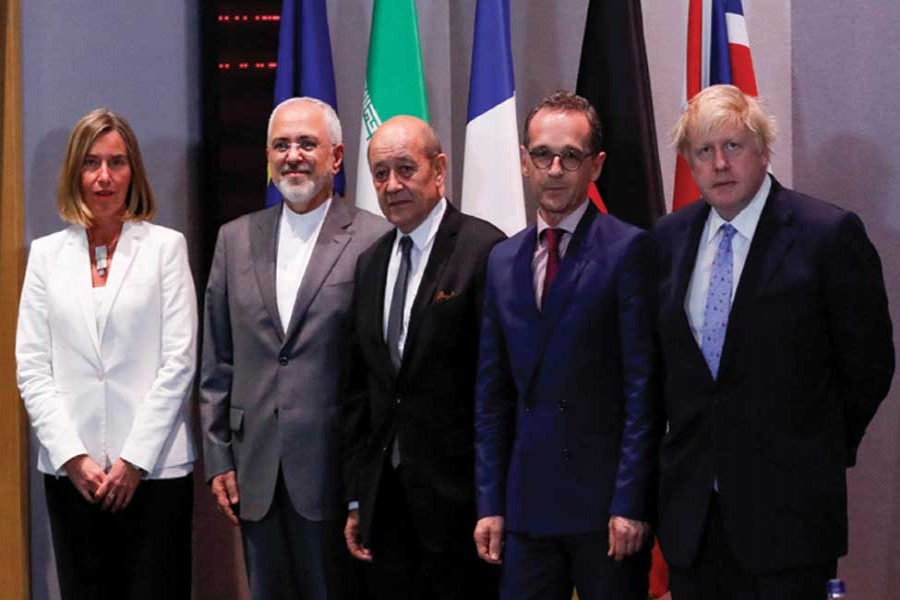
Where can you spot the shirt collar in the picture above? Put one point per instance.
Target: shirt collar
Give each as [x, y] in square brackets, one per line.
[307, 222]
[568, 224]
[423, 234]
[746, 221]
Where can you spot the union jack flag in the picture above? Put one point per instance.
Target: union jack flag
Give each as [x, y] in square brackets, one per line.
[718, 51]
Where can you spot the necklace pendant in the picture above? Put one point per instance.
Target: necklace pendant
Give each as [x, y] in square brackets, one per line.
[101, 257]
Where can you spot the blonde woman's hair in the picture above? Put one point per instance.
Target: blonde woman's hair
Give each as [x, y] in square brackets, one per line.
[140, 204]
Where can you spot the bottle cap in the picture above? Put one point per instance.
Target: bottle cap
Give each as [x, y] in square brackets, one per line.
[836, 586]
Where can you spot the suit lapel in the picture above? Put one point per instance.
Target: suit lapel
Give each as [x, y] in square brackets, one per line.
[372, 304]
[771, 240]
[523, 278]
[126, 250]
[683, 261]
[332, 239]
[444, 243]
[570, 268]
[78, 273]
[263, 248]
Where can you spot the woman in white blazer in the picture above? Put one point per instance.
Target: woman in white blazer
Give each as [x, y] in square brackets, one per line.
[106, 353]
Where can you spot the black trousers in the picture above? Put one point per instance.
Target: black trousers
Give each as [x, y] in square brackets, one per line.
[403, 568]
[717, 575]
[141, 552]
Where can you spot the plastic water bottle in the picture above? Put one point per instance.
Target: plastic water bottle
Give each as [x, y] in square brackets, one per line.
[836, 589]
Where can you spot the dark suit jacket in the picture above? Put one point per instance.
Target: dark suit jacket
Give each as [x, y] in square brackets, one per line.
[565, 418]
[269, 390]
[808, 356]
[429, 403]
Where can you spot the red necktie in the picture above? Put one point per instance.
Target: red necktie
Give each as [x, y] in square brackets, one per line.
[553, 237]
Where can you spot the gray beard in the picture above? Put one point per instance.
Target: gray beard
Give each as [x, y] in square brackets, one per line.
[298, 195]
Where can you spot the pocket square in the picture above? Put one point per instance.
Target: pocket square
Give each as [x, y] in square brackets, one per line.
[443, 296]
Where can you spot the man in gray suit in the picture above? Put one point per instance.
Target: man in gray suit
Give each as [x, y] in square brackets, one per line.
[273, 357]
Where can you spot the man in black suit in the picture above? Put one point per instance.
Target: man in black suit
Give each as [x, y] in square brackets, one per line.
[777, 350]
[408, 415]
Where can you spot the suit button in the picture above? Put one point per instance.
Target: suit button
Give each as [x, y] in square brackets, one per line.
[562, 406]
[566, 455]
[282, 360]
[399, 401]
[384, 450]
[528, 409]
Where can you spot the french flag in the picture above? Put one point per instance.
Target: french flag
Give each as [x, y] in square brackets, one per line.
[718, 51]
[492, 175]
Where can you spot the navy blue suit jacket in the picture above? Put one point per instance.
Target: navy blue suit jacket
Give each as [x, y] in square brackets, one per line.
[566, 426]
[808, 357]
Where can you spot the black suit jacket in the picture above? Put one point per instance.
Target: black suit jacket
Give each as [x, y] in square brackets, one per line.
[429, 403]
[808, 357]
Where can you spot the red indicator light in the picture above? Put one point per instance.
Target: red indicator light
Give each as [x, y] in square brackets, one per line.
[243, 18]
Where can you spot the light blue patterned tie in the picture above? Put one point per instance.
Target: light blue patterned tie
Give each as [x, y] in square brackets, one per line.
[718, 301]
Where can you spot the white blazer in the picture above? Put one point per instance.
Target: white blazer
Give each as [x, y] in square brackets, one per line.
[122, 391]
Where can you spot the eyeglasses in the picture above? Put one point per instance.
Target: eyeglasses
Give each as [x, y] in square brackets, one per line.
[569, 159]
[305, 146]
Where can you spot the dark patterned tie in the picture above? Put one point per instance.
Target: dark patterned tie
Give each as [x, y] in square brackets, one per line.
[398, 303]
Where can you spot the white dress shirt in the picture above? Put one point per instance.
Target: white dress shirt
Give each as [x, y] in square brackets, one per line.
[745, 223]
[422, 242]
[539, 260]
[297, 234]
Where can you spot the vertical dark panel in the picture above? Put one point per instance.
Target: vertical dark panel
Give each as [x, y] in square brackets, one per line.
[239, 49]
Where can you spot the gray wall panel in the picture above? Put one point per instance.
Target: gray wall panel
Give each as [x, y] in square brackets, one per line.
[141, 60]
[846, 128]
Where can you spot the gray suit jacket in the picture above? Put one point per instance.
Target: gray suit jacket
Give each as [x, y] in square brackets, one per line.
[269, 392]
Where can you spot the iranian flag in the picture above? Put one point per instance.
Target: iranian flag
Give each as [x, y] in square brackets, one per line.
[395, 82]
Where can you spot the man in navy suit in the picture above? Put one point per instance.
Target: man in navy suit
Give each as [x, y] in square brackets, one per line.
[777, 350]
[566, 428]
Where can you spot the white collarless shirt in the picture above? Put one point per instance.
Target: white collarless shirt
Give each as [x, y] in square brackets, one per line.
[745, 223]
[297, 234]
[422, 241]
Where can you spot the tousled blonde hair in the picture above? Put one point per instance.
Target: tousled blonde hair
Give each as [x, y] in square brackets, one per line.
[140, 204]
[719, 106]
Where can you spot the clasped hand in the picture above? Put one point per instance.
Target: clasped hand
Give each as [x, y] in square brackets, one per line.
[113, 490]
